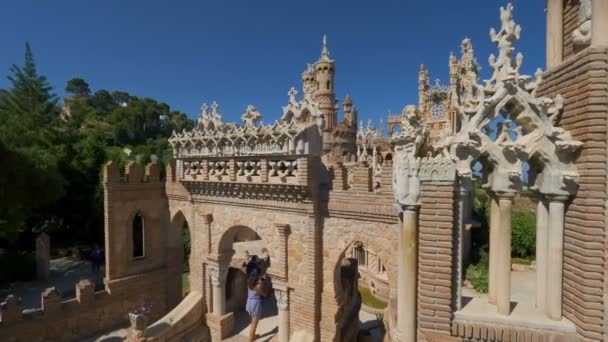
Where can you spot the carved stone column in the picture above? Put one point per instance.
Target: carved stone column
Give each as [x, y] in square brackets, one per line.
[555, 254]
[407, 275]
[503, 255]
[218, 275]
[542, 235]
[599, 23]
[464, 234]
[281, 293]
[217, 267]
[494, 222]
[555, 32]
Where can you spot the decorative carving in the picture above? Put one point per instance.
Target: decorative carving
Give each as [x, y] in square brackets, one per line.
[581, 36]
[282, 297]
[218, 274]
[305, 111]
[406, 165]
[292, 135]
[251, 116]
[438, 168]
[508, 96]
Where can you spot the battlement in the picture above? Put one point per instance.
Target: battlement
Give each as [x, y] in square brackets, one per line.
[51, 301]
[133, 173]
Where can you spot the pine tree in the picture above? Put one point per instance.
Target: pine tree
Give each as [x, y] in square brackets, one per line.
[30, 107]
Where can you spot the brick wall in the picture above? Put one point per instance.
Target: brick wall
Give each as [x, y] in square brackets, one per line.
[583, 82]
[570, 22]
[436, 260]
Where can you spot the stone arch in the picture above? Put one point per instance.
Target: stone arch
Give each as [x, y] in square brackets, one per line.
[237, 233]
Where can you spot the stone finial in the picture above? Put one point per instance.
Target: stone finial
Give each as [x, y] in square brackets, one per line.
[85, 291]
[51, 300]
[134, 172]
[111, 173]
[325, 51]
[10, 309]
[251, 116]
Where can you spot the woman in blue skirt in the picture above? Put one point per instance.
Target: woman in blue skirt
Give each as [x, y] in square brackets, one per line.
[254, 301]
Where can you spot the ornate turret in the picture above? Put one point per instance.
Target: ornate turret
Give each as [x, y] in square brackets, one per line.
[309, 82]
[324, 94]
[350, 112]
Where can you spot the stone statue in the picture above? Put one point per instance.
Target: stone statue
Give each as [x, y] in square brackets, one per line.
[581, 36]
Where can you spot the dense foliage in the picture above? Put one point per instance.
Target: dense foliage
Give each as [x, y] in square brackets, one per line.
[523, 234]
[52, 153]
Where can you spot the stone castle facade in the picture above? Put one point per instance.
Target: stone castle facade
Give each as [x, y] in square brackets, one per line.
[322, 194]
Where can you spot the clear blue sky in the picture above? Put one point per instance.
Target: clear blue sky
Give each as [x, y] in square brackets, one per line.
[252, 52]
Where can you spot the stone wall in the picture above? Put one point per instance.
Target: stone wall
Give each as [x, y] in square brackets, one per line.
[436, 259]
[90, 312]
[582, 80]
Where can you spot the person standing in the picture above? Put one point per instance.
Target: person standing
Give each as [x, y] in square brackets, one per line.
[255, 294]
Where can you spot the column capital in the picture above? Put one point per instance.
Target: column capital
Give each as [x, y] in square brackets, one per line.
[282, 296]
[283, 228]
[218, 274]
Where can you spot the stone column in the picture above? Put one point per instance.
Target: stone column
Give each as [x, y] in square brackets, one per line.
[555, 32]
[407, 275]
[542, 216]
[282, 295]
[555, 254]
[494, 221]
[283, 232]
[218, 274]
[599, 22]
[503, 254]
[464, 236]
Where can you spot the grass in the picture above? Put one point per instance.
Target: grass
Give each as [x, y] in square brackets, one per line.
[185, 283]
[370, 300]
[521, 261]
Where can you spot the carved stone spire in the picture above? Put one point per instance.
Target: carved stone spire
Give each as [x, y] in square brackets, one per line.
[325, 51]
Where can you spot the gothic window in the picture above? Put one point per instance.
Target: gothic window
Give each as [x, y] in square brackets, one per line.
[138, 236]
[437, 110]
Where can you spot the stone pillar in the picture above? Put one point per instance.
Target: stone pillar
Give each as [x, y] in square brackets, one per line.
[555, 32]
[218, 274]
[407, 275]
[283, 232]
[43, 256]
[555, 254]
[599, 22]
[464, 236]
[542, 217]
[503, 254]
[494, 221]
[282, 296]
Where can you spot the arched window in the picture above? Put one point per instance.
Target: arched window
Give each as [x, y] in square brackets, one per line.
[138, 236]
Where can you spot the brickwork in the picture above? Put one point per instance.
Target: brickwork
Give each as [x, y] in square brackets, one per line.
[583, 82]
[436, 260]
[570, 23]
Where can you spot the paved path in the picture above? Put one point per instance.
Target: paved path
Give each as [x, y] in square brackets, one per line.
[65, 274]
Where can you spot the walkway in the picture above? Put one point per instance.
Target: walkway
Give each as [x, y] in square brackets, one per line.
[65, 274]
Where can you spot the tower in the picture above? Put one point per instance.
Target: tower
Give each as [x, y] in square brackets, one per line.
[324, 94]
[350, 112]
[309, 82]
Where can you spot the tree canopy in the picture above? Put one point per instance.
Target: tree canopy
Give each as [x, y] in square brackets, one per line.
[53, 152]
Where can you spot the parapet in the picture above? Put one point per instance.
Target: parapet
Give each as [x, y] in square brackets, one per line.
[133, 173]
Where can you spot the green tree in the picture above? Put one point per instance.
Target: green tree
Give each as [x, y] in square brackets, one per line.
[78, 87]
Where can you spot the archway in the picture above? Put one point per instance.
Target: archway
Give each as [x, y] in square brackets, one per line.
[242, 243]
[179, 253]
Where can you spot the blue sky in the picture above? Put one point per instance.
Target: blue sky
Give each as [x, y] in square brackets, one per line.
[252, 52]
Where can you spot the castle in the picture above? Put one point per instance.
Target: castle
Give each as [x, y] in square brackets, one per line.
[332, 200]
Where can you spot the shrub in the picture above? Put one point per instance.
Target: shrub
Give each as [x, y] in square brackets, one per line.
[523, 234]
[17, 266]
[477, 274]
